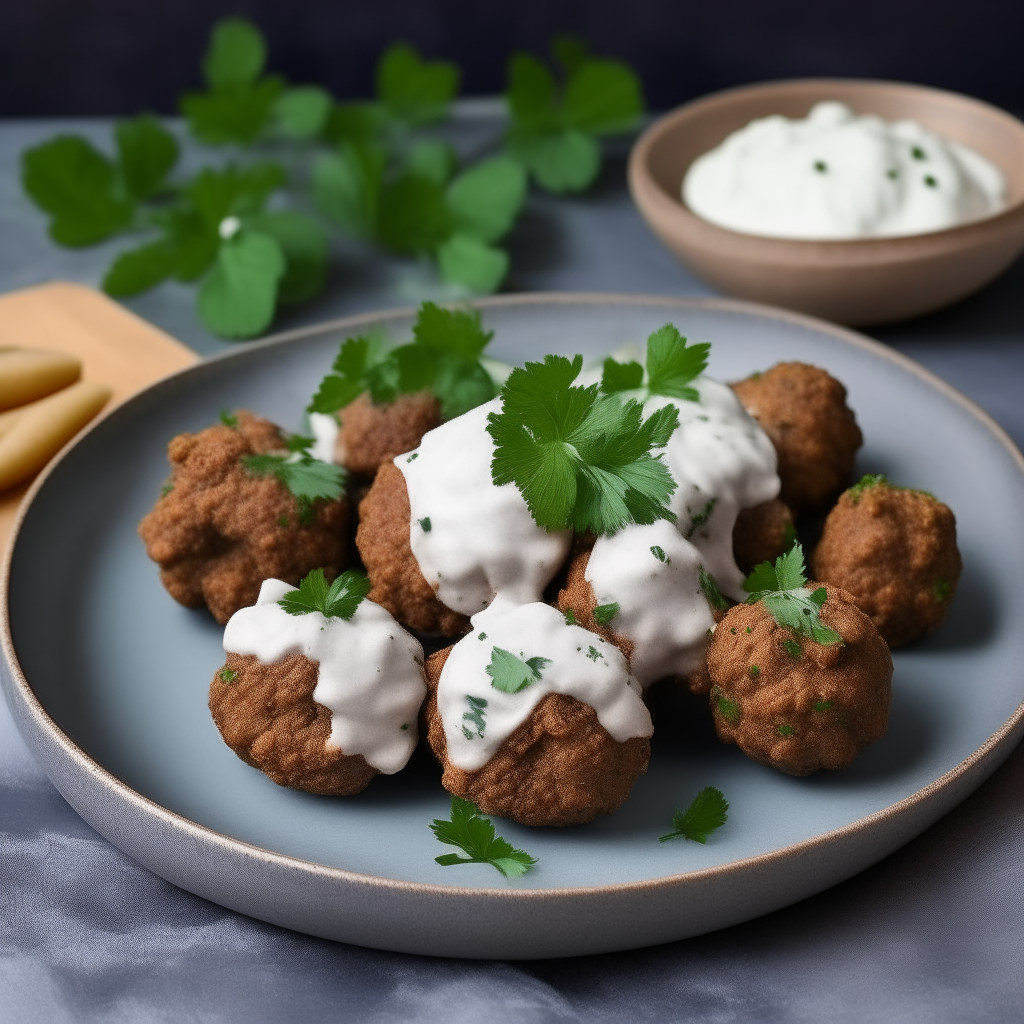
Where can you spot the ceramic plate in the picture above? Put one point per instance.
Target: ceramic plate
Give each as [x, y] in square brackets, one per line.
[108, 679]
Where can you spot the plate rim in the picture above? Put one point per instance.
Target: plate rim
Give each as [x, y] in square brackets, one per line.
[21, 690]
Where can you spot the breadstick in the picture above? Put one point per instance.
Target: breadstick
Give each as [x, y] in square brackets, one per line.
[41, 429]
[30, 373]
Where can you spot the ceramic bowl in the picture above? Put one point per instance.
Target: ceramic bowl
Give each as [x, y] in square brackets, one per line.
[862, 281]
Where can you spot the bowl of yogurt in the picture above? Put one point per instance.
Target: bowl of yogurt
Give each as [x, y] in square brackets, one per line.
[861, 202]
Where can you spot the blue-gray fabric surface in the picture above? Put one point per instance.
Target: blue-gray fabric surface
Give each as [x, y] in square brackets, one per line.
[934, 933]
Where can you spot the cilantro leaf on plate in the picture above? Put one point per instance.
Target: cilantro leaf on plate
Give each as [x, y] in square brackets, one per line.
[307, 479]
[474, 835]
[672, 366]
[339, 600]
[511, 674]
[780, 587]
[707, 813]
[581, 460]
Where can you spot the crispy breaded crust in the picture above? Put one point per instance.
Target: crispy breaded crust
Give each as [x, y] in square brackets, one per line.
[560, 767]
[385, 548]
[220, 532]
[267, 716]
[372, 435]
[761, 534]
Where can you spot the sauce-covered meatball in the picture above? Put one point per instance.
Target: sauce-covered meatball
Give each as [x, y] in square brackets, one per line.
[373, 434]
[894, 550]
[803, 410]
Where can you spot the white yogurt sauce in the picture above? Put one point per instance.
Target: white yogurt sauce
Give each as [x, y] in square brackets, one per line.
[834, 175]
[472, 539]
[478, 717]
[370, 670]
[325, 429]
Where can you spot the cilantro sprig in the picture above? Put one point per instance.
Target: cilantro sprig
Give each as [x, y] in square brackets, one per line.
[581, 460]
[556, 126]
[474, 835]
[308, 480]
[671, 364]
[443, 358]
[511, 674]
[339, 600]
[780, 587]
[706, 814]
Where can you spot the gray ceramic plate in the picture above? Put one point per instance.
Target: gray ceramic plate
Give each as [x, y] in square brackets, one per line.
[107, 677]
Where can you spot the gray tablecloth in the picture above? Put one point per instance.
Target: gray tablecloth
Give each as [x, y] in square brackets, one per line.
[934, 933]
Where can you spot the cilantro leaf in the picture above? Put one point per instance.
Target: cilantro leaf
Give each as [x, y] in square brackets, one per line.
[413, 90]
[307, 479]
[146, 154]
[349, 378]
[476, 716]
[433, 159]
[485, 200]
[604, 613]
[238, 299]
[454, 331]
[580, 460]
[302, 113]
[474, 835]
[76, 184]
[706, 814]
[672, 365]
[236, 54]
[347, 185]
[510, 674]
[339, 600]
[465, 260]
[412, 217]
[709, 586]
[617, 377]
[780, 587]
[565, 161]
[303, 244]
[138, 270]
[602, 96]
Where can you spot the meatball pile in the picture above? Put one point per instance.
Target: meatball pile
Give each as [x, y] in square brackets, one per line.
[372, 434]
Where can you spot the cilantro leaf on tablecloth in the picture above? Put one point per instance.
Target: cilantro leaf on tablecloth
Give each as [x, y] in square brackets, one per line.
[707, 813]
[339, 600]
[474, 835]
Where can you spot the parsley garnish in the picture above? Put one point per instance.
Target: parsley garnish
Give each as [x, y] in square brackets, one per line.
[443, 358]
[307, 479]
[701, 518]
[706, 814]
[866, 481]
[339, 600]
[425, 524]
[570, 618]
[785, 730]
[474, 835]
[593, 653]
[581, 460]
[475, 716]
[728, 709]
[822, 705]
[714, 596]
[227, 675]
[509, 674]
[228, 418]
[781, 589]
[604, 613]
[166, 489]
[659, 553]
[672, 366]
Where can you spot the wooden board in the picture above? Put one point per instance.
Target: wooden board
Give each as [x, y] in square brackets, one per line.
[116, 347]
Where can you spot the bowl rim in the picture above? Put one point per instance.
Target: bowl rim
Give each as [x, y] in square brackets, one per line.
[640, 178]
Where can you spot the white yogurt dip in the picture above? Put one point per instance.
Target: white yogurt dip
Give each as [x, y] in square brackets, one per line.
[834, 175]
[370, 670]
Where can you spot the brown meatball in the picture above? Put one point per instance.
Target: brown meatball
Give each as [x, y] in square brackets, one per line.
[577, 597]
[795, 704]
[803, 410]
[386, 551]
[219, 532]
[560, 767]
[762, 533]
[373, 434]
[267, 716]
[895, 551]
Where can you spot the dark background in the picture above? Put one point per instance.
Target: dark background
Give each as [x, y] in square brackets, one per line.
[107, 57]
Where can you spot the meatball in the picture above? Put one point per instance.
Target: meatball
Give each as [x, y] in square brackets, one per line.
[386, 551]
[762, 533]
[792, 703]
[803, 410]
[560, 767]
[895, 551]
[372, 434]
[219, 531]
[576, 598]
[267, 716]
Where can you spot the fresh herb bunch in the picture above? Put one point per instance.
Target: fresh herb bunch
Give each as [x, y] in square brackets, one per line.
[780, 587]
[707, 813]
[671, 364]
[581, 460]
[308, 480]
[244, 230]
[443, 358]
[555, 127]
[474, 835]
[337, 601]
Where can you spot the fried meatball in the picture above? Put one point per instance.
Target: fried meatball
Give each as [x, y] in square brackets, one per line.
[577, 596]
[219, 532]
[386, 551]
[795, 704]
[372, 434]
[895, 551]
[762, 533]
[803, 410]
[267, 716]
[560, 767]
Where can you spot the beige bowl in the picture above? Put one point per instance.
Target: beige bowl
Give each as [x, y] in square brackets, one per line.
[864, 281]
